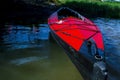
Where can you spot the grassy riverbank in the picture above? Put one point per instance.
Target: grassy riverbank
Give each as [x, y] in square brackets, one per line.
[93, 8]
[32, 12]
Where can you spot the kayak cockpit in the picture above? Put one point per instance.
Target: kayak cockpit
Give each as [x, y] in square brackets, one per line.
[66, 12]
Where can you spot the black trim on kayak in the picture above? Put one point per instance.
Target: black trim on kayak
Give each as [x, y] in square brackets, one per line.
[89, 58]
[84, 62]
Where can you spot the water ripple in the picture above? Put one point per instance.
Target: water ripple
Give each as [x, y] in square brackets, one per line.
[110, 29]
[27, 60]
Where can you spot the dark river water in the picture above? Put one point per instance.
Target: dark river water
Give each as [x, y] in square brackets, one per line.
[111, 35]
[26, 53]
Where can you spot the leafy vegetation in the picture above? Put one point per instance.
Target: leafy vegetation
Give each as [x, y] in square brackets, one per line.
[38, 11]
[93, 8]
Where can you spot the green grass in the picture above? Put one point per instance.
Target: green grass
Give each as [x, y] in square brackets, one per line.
[93, 8]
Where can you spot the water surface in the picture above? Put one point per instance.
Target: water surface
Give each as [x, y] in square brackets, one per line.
[24, 55]
[110, 29]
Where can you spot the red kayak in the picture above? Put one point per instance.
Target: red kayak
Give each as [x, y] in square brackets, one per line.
[75, 29]
[80, 37]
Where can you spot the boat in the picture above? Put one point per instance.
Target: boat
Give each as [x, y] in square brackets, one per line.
[82, 41]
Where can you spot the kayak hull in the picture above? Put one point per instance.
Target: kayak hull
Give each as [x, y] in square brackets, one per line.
[81, 39]
[78, 60]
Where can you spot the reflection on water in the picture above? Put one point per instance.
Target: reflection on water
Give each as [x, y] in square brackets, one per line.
[23, 36]
[25, 54]
[26, 60]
